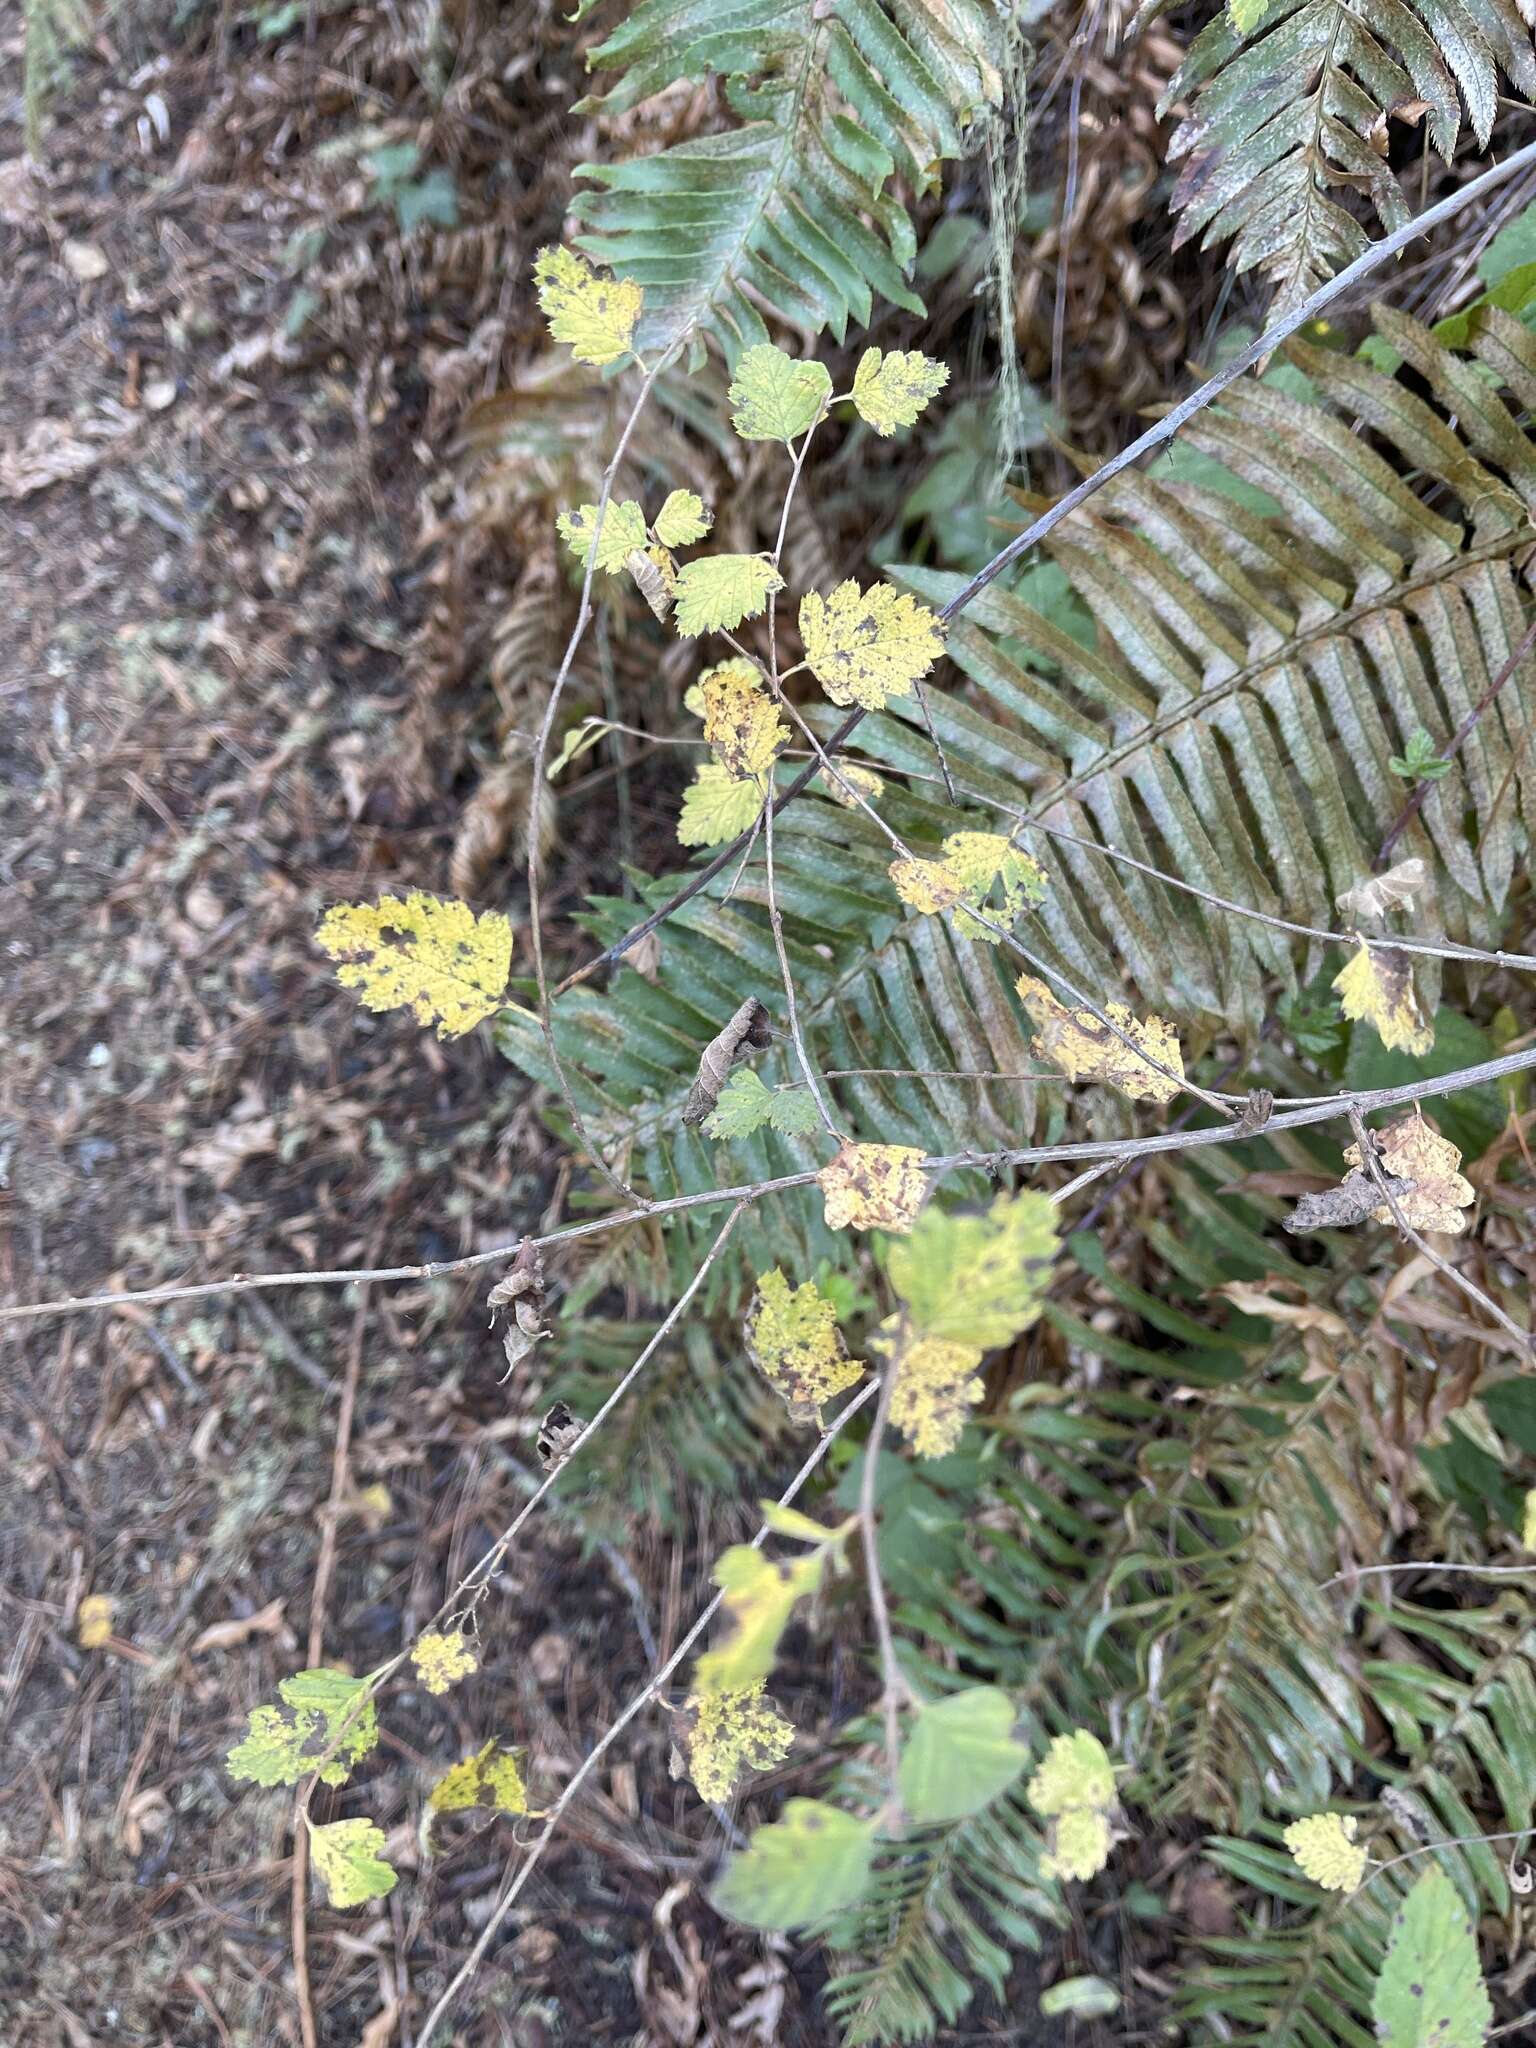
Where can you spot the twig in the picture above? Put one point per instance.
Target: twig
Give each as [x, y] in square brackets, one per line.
[1157, 434]
[600, 1748]
[541, 755]
[1365, 1144]
[1431, 1564]
[777, 923]
[894, 1687]
[1321, 1111]
[1420, 790]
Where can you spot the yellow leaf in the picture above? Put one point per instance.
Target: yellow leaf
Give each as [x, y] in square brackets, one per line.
[760, 1596]
[596, 315]
[1412, 1149]
[93, 1621]
[970, 865]
[442, 1660]
[890, 391]
[1245, 15]
[733, 1733]
[1080, 1843]
[934, 1391]
[794, 1341]
[1085, 1051]
[682, 519]
[623, 533]
[741, 720]
[348, 1855]
[1528, 1533]
[864, 647]
[1325, 1850]
[437, 957]
[716, 806]
[490, 1778]
[848, 778]
[716, 592]
[927, 886]
[774, 397]
[873, 1187]
[1377, 985]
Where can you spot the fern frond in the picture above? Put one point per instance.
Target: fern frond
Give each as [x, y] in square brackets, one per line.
[791, 213]
[1285, 116]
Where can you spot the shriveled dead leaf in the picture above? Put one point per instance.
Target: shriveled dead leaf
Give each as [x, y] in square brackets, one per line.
[1356, 1197]
[522, 1290]
[874, 1187]
[557, 1437]
[56, 450]
[1377, 986]
[1086, 1050]
[1297, 1315]
[746, 1031]
[1412, 1149]
[1377, 894]
[229, 1635]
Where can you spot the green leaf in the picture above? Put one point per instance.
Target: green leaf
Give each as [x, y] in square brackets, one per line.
[320, 1708]
[622, 533]
[745, 1105]
[348, 1856]
[682, 519]
[1430, 1993]
[798, 1870]
[760, 1596]
[1081, 1998]
[1418, 762]
[961, 1755]
[889, 391]
[716, 592]
[717, 806]
[975, 1280]
[774, 397]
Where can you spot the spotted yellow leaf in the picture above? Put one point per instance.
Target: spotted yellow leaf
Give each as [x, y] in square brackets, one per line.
[348, 1856]
[1245, 15]
[436, 957]
[682, 519]
[442, 1660]
[867, 646]
[775, 398]
[1079, 1847]
[889, 391]
[849, 784]
[1074, 1789]
[873, 1187]
[927, 886]
[716, 592]
[1086, 1050]
[741, 720]
[975, 1279]
[1412, 1149]
[971, 865]
[760, 1595]
[595, 315]
[324, 1714]
[93, 1621]
[1377, 985]
[717, 806]
[621, 535]
[794, 1341]
[734, 1733]
[490, 1778]
[1325, 1849]
[934, 1390]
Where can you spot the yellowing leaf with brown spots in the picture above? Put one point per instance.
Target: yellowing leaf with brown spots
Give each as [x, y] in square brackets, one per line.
[927, 886]
[437, 958]
[934, 1391]
[595, 315]
[622, 533]
[1412, 1149]
[794, 1341]
[1377, 985]
[741, 720]
[682, 519]
[734, 1733]
[867, 646]
[490, 1778]
[873, 1187]
[442, 1660]
[348, 1856]
[1086, 1051]
[889, 391]
[760, 1596]
[970, 865]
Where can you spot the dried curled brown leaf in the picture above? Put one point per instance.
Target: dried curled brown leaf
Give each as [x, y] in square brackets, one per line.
[522, 1290]
[747, 1030]
[1355, 1198]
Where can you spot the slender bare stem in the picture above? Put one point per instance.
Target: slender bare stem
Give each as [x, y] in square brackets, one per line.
[777, 922]
[1431, 1564]
[600, 1748]
[894, 1689]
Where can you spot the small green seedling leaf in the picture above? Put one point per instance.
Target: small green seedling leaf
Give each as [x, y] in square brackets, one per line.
[320, 1709]
[1418, 762]
[961, 1755]
[798, 1870]
[774, 397]
[745, 1105]
[1430, 1993]
[348, 1856]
